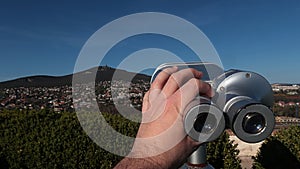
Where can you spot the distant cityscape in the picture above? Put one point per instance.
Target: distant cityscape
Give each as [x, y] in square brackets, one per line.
[290, 91]
[59, 98]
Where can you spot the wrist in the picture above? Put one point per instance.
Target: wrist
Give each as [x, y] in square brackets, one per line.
[149, 163]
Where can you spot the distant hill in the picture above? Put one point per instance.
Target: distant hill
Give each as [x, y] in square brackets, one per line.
[284, 84]
[104, 73]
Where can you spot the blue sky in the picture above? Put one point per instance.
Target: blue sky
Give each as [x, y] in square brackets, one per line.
[45, 38]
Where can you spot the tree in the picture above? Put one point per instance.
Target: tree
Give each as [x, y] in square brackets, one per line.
[280, 151]
[222, 153]
[46, 139]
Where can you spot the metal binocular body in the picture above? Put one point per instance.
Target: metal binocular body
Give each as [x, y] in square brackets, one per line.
[242, 102]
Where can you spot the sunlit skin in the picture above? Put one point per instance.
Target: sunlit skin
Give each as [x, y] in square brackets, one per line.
[163, 108]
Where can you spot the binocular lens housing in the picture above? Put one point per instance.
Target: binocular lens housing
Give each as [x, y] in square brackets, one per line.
[241, 103]
[244, 99]
[254, 123]
[204, 121]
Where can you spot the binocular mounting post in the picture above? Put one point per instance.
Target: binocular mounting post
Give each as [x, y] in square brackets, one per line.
[197, 159]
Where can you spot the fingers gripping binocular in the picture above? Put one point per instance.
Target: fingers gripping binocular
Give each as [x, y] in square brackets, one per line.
[241, 102]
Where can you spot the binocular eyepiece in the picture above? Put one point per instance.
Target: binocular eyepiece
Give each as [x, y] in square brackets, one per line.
[242, 103]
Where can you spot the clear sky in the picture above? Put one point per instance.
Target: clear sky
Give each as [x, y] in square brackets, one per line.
[45, 37]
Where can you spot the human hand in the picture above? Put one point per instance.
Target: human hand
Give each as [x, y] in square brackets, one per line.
[161, 140]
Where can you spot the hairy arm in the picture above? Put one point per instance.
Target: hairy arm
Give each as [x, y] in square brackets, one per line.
[161, 140]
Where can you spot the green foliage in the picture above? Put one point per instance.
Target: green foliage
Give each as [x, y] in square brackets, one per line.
[289, 111]
[45, 139]
[280, 151]
[222, 153]
[286, 110]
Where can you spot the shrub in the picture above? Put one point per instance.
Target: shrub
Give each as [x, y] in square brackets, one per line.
[222, 153]
[46, 139]
[280, 151]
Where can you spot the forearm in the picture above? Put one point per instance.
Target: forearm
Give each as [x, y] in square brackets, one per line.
[170, 159]
[139, 163]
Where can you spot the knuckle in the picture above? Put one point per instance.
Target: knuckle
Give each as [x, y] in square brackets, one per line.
[173, 78]
[196, 82]
[194, 71]
[155, 82]
[167, 70]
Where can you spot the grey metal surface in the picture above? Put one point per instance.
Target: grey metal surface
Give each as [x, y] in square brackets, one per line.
[198, 156]
[194, 112]
[238, 94]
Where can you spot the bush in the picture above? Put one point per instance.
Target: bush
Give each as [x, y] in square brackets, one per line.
[280, 151]
[46, 139]
[222, 153]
